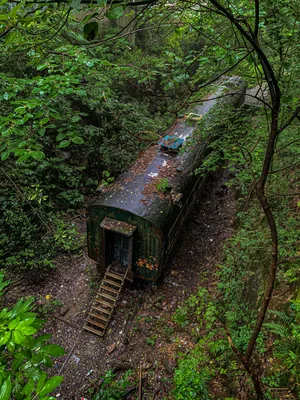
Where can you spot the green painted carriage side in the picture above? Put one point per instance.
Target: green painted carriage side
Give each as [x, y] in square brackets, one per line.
[148, 242]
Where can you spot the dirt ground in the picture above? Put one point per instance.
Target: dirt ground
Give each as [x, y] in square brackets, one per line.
[141, 329]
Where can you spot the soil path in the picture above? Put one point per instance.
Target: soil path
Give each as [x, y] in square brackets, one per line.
[141, 329]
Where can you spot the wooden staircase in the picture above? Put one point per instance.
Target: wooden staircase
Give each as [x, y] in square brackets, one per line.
[105, 301]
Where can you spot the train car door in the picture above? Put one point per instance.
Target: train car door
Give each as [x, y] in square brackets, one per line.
[117, 244]
[117, 248]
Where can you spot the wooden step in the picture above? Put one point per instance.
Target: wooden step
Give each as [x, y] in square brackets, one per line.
[115, 276]
[117, 284]
[96, 331]
[91, 321]
[107, 296]
[121, 274]
[105, 303]
[103, 310]
[109, 289]
[99, 316]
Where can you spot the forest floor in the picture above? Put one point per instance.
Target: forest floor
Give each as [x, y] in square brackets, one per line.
[141, 330]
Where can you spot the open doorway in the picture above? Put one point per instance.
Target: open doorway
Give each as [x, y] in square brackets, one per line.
[117, 249]
[117, 244]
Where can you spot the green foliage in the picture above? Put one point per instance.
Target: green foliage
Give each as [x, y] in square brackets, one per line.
[113, 389]
[68, 123]
[192, 380]
[163, 185]
[242, 273]
[151, 341]
[31, 232]
[286, 329]
[24, 356]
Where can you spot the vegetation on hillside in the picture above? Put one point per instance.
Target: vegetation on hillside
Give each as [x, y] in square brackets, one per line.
[80, 97]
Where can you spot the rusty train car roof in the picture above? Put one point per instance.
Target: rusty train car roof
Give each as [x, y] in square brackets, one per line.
[136, 191]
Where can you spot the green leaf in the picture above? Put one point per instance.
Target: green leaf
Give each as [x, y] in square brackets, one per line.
[80, 92]
[19, 358]
[13, 36]
[26, 305]
[43, 121]
[18, 337]
[50, 385]
[54, 115]
[42, 131]
[37, 155]
[3, 18]
[42, 66]
[23, 157]
[28, 330]
[4, 339]
[13, 12]
[90, 30]
[47, 361]
[40, 341]
[60, 136]
[106, 64]
[20, 110]
[26, 322]
[41, 382]
[11, 346]
[53, 350]
[13, 323]
[63, 144]
[5, 390]
[28, 388]
[77, 140]
[33, 373]
[5, 155]
[47, 398]
[116, 11]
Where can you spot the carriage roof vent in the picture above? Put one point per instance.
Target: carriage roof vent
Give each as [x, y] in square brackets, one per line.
[170, 143]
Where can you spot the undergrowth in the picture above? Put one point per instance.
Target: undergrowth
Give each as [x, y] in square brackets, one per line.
[211, 367]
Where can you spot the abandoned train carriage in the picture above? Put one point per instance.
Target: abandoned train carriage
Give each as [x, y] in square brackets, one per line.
[136, 220]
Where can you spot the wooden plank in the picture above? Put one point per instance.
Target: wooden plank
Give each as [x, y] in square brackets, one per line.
[103, 310]
[121, 274]
[99, 316]
[96, 331]
[107, 296]
[115, 276]
[117, 284]
[91, 321]
[105, 303]
[109, 289]
[105, 287]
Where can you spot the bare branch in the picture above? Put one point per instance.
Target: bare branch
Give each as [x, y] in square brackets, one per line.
[290, 120]
[256, 18]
